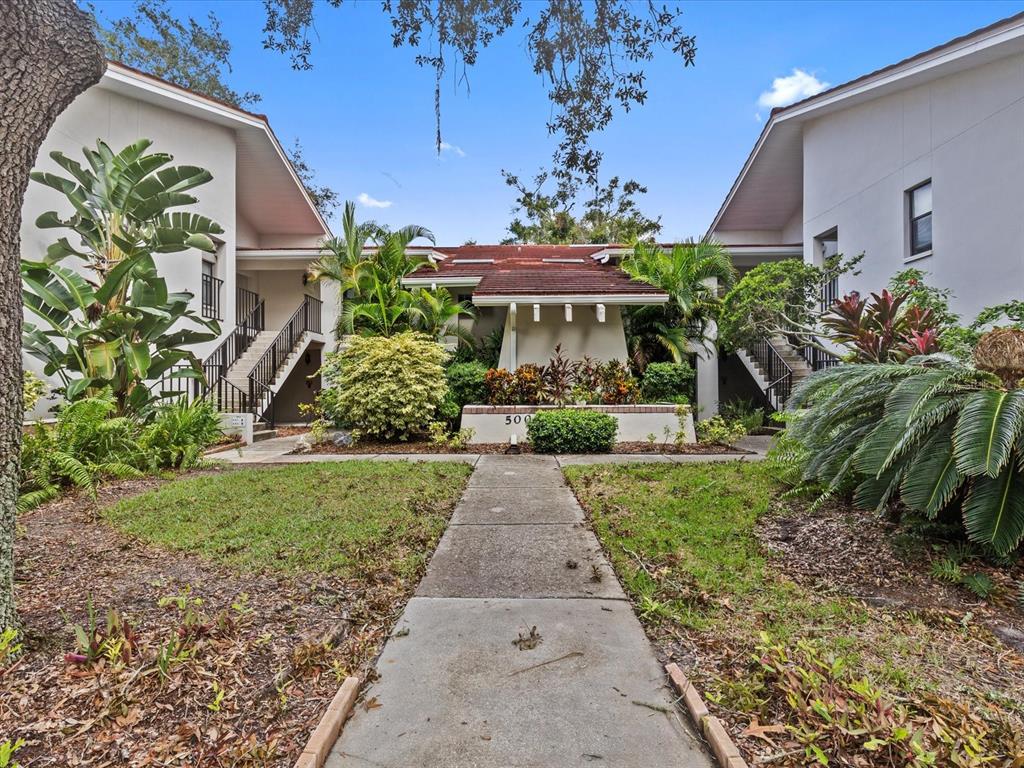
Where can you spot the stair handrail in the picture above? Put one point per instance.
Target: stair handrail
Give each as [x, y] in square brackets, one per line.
[779, 373]
[305, 319]
[226, 397]
[227, 353]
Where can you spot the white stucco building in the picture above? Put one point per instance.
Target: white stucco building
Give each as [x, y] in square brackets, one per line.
[255, 282]
[918, 164]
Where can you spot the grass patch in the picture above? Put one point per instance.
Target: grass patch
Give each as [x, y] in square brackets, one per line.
[337, 518]
[682, 539]
[808, 658]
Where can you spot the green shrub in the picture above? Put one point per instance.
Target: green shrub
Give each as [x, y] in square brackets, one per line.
[180, 432]
[466, 383]
[719, 430]
[87, 443]
[33, 389]
[663, 382]
[745, 411]
[386, 387]
[572, 431]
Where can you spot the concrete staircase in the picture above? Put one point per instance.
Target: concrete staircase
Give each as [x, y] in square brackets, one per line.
[238, 374]
[759, 370]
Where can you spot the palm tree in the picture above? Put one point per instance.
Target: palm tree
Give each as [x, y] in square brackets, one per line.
[691, 274]
[341, 256]
[439, 314]
[379, 304]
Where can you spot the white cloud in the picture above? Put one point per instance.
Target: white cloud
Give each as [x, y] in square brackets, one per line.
[372, 202]
[453, 148]
[786, 90]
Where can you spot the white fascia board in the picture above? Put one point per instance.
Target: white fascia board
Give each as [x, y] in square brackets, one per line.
[582, 299]
[764, 250]
[426, 282]
[305, 254]
[173, 93]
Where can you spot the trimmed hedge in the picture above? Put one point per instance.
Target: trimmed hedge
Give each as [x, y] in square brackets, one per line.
[572, 431]
[466, 383]
[665, 382]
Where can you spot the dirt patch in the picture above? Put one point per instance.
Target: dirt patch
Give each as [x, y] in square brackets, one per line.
[839, 548]
[250, 661]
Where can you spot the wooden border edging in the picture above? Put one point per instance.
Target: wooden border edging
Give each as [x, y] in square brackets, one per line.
[327, 730]
[722, 745]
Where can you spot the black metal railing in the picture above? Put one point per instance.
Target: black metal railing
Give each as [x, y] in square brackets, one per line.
[305, 319]
[245, 303]
[234, 346]
[228, 398]
[829, 294]
[211, 297]
[776, 372]
[818, 358]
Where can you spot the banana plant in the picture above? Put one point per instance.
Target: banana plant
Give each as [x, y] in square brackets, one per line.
[934, 434]
[103, 316]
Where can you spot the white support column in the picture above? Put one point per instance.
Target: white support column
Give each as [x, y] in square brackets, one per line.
[600, 313]
[707, 370]
[568, 313]
[513, 355]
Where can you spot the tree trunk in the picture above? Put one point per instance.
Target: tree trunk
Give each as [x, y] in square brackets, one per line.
[48, 55]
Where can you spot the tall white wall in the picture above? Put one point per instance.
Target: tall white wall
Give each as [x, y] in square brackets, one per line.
[119, 120]
[966, 133]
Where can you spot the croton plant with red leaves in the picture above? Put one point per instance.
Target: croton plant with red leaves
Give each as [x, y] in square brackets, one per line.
[881, 330]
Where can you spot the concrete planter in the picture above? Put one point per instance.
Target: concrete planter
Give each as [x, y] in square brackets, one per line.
[497, 423]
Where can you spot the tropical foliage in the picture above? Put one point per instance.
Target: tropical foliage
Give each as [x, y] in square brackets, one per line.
[375, 303]
[942, 437]
[90, 441]
[386, 387]
[116, 326]
[691, 274]
[882, 329]
[777, 297]
[561, 382]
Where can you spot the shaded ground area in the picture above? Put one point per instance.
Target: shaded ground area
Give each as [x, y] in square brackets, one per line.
[863, 655]
[226, 658]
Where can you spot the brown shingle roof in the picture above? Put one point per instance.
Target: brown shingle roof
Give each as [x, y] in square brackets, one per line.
[528, 270]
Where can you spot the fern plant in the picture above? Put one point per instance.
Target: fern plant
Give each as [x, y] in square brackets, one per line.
[932, 433]
[87, 443]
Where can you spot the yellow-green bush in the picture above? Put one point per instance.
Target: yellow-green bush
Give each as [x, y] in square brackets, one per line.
[386, 387]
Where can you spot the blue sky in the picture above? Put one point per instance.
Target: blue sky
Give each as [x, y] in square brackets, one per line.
[364, 113]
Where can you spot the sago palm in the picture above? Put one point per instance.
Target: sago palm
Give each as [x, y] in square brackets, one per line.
[933, 433]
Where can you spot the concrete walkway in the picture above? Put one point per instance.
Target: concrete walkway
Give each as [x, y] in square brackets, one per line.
[519, 647]
[278, 451]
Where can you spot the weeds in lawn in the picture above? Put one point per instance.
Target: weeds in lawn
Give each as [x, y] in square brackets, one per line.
[835, 681]
[833, 711]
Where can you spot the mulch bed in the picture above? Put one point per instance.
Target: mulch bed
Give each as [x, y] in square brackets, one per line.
[420, 446]
[838, 548]
[259, 657]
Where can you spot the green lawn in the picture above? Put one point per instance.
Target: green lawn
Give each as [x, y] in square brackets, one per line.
[682, 539]
[340, 518]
